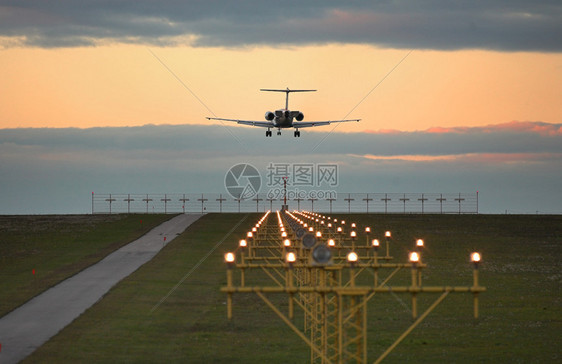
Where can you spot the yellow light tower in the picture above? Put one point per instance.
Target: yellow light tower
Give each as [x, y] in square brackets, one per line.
[353, 236]
[243, 244]
[475, 259]
[414, 259]
[250, 241]
[375, 244]
[387, 236]
[229, 259]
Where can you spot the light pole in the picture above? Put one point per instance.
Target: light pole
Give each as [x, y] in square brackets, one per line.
[404, 199]
[183, 201]
[414, 259]
[165, 199]
[229, 259]
[367, 200]
[387, 237]
[129, 199]
[475, 259]
[441, 199]
[349, 199]
[220, 200]
[202, 199]
[258, 199]
[422, 199]
[385, 199]
[110, 200]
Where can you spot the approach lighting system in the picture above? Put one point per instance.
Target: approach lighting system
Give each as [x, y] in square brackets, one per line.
[291, 257]
[229, 259]
[330, 278]
[475, 259]
[352, 257]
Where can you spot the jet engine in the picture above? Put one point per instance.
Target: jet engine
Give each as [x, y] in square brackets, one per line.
[299, 116]
[269, 116]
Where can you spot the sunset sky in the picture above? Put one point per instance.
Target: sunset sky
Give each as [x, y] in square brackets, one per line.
[480, 81]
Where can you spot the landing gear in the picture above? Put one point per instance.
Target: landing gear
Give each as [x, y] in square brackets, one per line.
[278, 132]
[297, 134]
[268, 133]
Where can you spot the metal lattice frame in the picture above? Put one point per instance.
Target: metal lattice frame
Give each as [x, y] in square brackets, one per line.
[331, 295]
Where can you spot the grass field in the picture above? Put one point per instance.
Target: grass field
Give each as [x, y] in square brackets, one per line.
[37, 252]
[521, 313]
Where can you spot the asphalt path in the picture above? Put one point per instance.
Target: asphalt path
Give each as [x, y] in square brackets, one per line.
[32, 324]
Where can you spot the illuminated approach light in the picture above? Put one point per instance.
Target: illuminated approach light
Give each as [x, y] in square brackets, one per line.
[352, 257]
[229, 257]
[291, 257]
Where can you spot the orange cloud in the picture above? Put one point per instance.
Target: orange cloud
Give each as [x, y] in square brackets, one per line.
[489, 158]
[513, 126]
[408, 158]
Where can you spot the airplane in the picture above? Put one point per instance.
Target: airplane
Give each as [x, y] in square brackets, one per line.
[283, 118]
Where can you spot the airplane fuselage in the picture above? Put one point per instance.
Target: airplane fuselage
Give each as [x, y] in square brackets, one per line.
[284, 118]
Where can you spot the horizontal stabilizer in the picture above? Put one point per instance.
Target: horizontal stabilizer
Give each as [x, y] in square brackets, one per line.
[287, 90]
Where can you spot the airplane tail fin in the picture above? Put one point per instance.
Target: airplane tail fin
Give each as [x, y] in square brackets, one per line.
[287, 91]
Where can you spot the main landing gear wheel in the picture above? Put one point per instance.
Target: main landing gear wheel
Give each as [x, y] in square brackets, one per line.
[268, 133]
[297, 134]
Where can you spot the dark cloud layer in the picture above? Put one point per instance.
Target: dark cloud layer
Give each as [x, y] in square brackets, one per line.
[507, 25]
[535, 137]
[517, 166]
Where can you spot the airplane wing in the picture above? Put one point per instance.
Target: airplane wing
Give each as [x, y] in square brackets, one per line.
[263, 124]
[309, 124]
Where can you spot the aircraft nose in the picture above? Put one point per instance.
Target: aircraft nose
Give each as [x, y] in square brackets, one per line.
[287, 113]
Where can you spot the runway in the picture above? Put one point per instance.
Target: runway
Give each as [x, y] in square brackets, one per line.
[32, 324]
